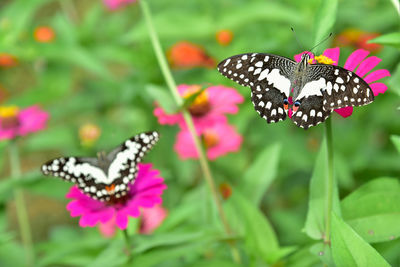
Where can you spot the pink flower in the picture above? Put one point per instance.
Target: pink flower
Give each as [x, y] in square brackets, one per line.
[357, 58]
[145, 192]
[115, 4]
[209, 107]
[15, 122]
[219, 139]
[152, 219]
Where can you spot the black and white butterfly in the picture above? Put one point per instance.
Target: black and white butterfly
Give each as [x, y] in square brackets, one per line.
[316, 89]
[106, 177]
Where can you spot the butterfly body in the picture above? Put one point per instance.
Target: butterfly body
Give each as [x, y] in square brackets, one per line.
[312, 90]
[108, 176]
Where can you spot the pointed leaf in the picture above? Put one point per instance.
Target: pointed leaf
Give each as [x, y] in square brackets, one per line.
[325, 19]
[261, 174]
[373, 210]
[315, 222]
[349, 249]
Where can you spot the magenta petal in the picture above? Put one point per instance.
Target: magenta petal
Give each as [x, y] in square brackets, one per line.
[376, 75]
[378, 88]
[355, 58]
[367, 65]
[333, 53]
[344, 112]
[121, 220]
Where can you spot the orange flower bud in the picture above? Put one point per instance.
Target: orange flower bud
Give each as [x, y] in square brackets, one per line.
[44, 34]
[224, 37]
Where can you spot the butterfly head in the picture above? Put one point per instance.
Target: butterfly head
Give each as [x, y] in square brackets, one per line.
[305, 58]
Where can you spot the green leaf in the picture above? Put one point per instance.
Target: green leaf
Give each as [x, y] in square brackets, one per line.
[325, 20]
[392, 39]
[349, 249]
[315, 222]
[373, 210]
[213, 263]
[113, 255]
[163, 98]
[394, 82]
[258, 234]
[260, 174]
[396, 141]
[323, 252]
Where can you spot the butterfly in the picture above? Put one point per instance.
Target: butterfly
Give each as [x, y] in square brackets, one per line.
[107, 177]
[315, 89]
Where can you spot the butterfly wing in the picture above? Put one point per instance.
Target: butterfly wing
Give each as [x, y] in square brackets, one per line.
[111, 179]
[267, 75]
[310, 112]
[338, 87]
[124, 158]
[86, 173]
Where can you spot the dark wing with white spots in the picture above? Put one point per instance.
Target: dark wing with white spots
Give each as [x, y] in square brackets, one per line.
[124, 158]
[109, 178]
[310, 112]
[86, 173]
[342, 87]
[267, 75]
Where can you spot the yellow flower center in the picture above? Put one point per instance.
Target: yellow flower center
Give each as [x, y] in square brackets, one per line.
[8, 112]
[210, 138]
[324, 60]
[200, 104]
[9, 118]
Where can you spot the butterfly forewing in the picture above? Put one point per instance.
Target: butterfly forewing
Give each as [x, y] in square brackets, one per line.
[267, 75]
[343, 87]
[108, 176]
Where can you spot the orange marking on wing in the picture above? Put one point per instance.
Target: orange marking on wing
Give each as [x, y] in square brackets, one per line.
[110, 189]
[286, 106]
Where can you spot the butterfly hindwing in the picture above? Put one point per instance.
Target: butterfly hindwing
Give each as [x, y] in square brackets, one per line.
[267, 101]
[342, 87]
[310, 112]
[267, 75]
[108, 176]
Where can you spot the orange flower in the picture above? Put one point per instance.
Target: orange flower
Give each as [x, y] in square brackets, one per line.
[7, 60]
[224, 37]
[226, 190]
[358, 39]
[44, 34]
[188, 55]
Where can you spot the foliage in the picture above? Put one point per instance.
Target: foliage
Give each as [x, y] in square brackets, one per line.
[101, 69]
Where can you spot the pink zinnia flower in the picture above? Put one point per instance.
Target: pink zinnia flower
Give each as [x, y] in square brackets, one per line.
[219, 139]
[152, 218]
[115, 4]
[144, 192]
[357, 58]
[15, 122]
[209, 107]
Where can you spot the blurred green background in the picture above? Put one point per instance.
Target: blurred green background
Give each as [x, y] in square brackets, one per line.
[101, 69]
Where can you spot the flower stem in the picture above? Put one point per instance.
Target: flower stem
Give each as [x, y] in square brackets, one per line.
[189, 122]
[22, 214]
[329, 182]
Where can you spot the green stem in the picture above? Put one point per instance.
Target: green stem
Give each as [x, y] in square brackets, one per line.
[22, 214]
[330, 181]
[188, 119]
[127, 244]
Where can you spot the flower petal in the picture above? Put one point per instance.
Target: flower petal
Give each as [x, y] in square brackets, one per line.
[355, 58]
[378, 88]
[344, 112]
[224, 99]
[376, 75]
[121, 220]
[367, 65]
[333, 53]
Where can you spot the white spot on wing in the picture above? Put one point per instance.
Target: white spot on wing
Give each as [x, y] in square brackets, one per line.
[279, 81]
[313, 88]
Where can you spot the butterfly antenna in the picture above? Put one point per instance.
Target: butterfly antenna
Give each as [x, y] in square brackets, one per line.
[326, 38]
[297, 40]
